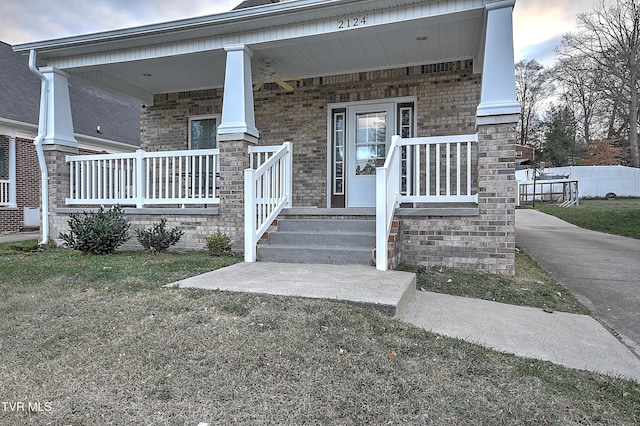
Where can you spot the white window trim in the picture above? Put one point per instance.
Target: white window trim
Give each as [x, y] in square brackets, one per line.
[218, 118]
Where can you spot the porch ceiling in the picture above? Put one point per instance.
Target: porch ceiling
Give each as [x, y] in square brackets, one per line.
[447, 35]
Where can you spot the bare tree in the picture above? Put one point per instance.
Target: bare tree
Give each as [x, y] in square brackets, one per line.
[610, 36]
[581, 81]
[533, 84]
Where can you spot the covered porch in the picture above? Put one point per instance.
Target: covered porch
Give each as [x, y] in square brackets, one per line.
[439, 75]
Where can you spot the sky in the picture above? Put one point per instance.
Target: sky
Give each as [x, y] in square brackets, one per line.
[538, 24]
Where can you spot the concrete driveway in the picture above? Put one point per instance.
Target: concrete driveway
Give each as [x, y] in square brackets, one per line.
[601, 270]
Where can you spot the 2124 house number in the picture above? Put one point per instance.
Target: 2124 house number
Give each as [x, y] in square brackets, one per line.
[357, 21]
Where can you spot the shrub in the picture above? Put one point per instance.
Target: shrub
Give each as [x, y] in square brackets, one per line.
[158, 238]
[100, 232]
[219, 244]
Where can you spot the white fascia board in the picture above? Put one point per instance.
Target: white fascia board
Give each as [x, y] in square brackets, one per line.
[98, 144]
[18, 129]
[277, 22]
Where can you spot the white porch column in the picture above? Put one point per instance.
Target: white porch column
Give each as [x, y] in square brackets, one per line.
[13, 183]
[59, 124]
[498, 95]
[237, 106]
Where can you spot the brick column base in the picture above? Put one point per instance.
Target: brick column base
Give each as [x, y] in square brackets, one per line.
[234, 159]
[497, 190]
[58, 183]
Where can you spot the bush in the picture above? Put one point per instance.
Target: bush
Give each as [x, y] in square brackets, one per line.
[100, 232]
[158, 238]
[219, 244]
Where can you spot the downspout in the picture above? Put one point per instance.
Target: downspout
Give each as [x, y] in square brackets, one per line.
[42, 131]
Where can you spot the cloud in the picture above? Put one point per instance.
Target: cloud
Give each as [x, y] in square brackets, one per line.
[539, 25]
[35, 20]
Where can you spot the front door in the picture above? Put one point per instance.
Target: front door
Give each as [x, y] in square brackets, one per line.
[369, 132]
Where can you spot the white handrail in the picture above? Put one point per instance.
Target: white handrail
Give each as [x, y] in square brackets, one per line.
[387, 195]
[145, 178]
[267, 190]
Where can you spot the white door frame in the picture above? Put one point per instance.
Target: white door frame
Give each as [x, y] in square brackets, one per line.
[357, 106]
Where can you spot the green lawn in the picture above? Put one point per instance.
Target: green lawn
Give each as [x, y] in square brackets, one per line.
[99, 340]
[618, 216]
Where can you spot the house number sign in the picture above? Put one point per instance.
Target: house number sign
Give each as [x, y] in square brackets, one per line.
[355, 21]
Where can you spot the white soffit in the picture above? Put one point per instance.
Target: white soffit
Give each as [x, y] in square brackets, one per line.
[307, 38]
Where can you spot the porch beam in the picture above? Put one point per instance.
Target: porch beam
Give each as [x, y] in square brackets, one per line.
[238, 116]
[498, 95]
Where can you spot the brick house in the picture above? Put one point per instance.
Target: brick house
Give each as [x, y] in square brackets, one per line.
[20, 177]
[276, 121]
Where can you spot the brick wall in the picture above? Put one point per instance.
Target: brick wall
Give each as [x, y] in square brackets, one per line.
[447, 96]
[28, 183]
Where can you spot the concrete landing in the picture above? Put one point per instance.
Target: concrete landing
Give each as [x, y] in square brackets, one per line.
[390, 291]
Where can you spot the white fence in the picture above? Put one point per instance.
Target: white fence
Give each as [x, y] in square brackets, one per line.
[267, 190]
[421, 170]
[594, 181]
[145, 178]
[4, 192]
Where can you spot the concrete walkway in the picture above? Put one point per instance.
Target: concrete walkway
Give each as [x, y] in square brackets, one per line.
[602, 270]
[575, 341]
[19, 236]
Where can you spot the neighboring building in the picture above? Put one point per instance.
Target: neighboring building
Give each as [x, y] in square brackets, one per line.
[103, 122]
[222, 93]
[525, 156]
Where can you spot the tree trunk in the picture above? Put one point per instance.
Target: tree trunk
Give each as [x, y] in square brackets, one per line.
[633, 120]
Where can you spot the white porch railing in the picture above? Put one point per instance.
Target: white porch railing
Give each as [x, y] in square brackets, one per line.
[267, 190]
[145, 178]
[4, 192]
[439, 169]
[421, 170]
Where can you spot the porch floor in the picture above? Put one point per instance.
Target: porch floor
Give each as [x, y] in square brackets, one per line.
[390, 292]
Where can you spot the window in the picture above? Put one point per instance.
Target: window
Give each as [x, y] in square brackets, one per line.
[203, 132]
[2, 165]
[203, 172]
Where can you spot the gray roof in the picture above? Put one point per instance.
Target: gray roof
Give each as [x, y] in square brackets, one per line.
[253, 3]
[118, 116]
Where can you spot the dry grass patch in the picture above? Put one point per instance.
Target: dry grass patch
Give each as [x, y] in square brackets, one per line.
[531, 286]
[153, 355]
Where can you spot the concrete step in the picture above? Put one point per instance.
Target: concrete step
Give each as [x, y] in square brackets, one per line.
[333, 239]
[331, 255]
[327, 225]
[320, 241]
